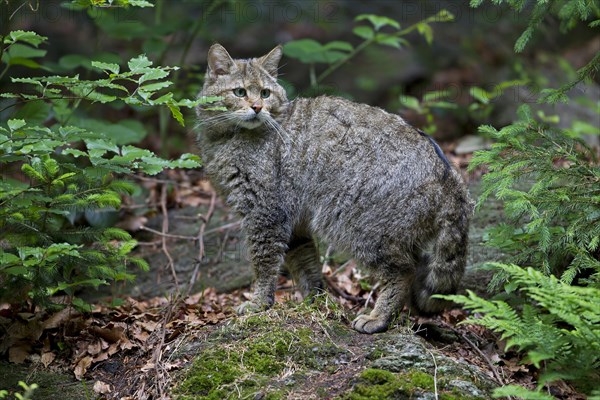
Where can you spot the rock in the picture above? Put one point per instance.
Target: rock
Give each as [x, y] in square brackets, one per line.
[310, 352]
[470, 143]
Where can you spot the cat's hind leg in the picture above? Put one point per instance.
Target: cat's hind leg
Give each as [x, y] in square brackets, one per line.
[442, 272]
[302, 261]
[396, 281]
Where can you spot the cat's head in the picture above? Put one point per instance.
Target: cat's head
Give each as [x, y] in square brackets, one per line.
[248, 88]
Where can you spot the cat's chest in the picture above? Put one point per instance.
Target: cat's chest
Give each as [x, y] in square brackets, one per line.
[239, 164]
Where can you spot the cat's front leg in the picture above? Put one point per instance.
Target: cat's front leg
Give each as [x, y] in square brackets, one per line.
[267, 238]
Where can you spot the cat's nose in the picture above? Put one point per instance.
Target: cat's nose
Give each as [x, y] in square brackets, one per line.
[256, 107]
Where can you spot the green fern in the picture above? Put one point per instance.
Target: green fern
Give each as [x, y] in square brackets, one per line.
[558, 325]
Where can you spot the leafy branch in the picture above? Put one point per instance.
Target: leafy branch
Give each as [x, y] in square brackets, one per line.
[338, 53]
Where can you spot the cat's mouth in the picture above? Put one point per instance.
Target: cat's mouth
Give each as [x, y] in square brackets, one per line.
[250, 123]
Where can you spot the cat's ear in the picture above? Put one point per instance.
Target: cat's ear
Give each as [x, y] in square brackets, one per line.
[270, 62]
[219, 60]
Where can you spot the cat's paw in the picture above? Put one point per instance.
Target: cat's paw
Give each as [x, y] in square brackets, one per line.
[366, 323]
[248, 307]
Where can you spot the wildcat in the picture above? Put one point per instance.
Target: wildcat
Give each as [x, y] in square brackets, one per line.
[357, 176]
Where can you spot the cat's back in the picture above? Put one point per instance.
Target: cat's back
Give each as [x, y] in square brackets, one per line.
[352, 135]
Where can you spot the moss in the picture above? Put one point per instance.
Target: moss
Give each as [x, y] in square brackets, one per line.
[258, 350]
[377, 376]
[208, 374]
[376, 384]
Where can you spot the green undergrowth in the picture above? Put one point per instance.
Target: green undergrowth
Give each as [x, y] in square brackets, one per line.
[264, 355]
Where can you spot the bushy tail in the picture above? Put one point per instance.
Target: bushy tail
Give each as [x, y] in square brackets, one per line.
[442, 272]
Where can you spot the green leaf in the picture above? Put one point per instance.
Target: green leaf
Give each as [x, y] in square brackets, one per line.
[410, 102]
[111, 67]
[21, 51]
[125, 132]
[338, 45]
[426, 30]
[520, 392]
[365, 32]
[153, 74]
[14, 124]
[303, 50]
[139, 64]
[480, 94]
[378, 21]
[101, 144]
[29, 37]
[72, 61]
[390, 40]
[26, 62]
[176, 113]
[8, 258]
[35, 112]
[140, 3]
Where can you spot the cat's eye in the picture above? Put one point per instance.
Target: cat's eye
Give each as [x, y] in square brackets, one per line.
[239, 92]
[265, 93]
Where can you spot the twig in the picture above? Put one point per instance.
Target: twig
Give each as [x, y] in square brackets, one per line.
[165, 229]
[168, 235]
[223, 227]
[326, 258]
[342, 267]
[343, 294]
[222, 246]
[200, 239]
[481, 354]
[435, 370]
[149, 179]
[370, 296]
[157, 356]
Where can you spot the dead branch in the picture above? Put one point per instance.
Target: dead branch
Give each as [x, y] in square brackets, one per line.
[165, 229]
[343, 294]
[200, 239]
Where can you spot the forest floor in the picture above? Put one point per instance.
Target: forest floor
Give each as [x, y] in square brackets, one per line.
[143, 341]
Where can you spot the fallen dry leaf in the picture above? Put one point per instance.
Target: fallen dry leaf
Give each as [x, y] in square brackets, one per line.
[19, 353]
[101, 387]
[60, 317]
[82, 366]
[100, 357]
[94, 348]
[111, 334]
[47, 358]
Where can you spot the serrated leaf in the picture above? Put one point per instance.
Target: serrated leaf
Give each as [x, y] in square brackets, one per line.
[114, 68]
[139, 64]
[140, 3]
[29, 37]
[95, 144]
[153, 74]
[153, 87]
[14, 124]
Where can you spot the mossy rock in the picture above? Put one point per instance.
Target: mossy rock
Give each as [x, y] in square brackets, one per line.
[309, 352]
